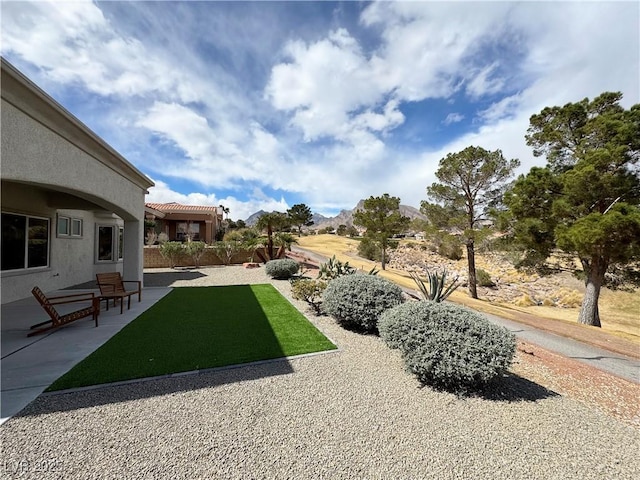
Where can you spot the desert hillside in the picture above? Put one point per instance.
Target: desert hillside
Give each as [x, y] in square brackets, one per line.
[556, 297]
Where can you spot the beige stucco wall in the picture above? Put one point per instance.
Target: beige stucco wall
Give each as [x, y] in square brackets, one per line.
[51, 164]
[34, 154]
[71, 260]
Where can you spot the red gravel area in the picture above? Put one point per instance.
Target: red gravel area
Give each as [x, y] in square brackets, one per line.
[608, 393]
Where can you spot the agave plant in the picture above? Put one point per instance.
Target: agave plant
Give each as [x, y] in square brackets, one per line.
[437, 290]
[334, 268]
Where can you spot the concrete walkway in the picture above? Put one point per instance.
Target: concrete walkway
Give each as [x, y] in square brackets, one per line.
[611, 362]
[30, 364]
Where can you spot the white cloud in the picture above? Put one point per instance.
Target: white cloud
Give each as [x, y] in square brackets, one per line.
[504, 108]
[323, 84]
[212, 159]
[428, 46]
[74, 43]
[238, 210]
[324, 122]
[453, 118]
[484, 84]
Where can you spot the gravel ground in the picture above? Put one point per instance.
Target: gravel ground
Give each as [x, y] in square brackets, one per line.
[351, 414]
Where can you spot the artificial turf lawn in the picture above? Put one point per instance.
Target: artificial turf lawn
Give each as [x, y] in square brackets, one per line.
[195, 328]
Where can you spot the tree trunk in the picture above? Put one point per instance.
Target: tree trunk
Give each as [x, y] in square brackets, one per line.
[595, 270]
[471, 257]
[270, 242]
[383, 256]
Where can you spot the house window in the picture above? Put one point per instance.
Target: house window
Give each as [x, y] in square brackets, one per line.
[64, 226]
[184, 230]
[76, 227]
[25, 242]
[69, 226]
[109, 243]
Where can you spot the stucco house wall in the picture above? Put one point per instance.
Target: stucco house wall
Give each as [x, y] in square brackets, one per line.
[53, 165]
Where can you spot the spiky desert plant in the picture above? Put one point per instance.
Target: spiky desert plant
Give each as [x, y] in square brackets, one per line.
[438, 290]
[334, 268]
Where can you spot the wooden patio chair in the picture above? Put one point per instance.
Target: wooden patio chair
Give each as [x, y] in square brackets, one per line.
[56, 320]
[111, 286]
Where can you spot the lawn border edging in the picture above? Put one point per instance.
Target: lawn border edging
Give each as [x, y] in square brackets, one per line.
[189, 373]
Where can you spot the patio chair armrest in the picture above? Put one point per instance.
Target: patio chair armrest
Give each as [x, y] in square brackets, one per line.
[80, 297]
[134, 281]
[86, 295]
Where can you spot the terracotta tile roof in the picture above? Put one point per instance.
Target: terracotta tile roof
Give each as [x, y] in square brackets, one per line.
[174, 207]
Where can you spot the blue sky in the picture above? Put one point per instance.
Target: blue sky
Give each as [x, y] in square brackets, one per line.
[263, 105]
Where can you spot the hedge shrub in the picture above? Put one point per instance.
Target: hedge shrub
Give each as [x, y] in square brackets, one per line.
[449, 246]
[172, 251]
[282, 269]
[310, 291]
[356, 301]
[483, 278]
[448, 346]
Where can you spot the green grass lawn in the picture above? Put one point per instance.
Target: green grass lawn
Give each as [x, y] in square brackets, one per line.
[200, 327]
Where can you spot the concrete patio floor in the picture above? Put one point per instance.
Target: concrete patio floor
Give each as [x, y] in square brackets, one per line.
[30, 364]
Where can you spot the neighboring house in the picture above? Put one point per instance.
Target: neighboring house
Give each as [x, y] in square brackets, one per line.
[71, 205]
[200, 223]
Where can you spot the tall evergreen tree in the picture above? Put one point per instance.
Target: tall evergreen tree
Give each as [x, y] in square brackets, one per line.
[471, 181]
[300, 215]
[382, 218]
[585, 202]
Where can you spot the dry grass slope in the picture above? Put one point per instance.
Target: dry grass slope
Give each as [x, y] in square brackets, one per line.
[618, 310]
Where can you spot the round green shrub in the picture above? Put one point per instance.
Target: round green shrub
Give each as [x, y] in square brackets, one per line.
[310, 291]
[282, 269]
[450, 247]
[448, 346]
[369, 250]
[483, 278]
[356, 301]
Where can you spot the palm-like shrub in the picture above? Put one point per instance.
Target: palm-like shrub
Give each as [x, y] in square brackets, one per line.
[356, 301]
[282, 269]
[448, 346]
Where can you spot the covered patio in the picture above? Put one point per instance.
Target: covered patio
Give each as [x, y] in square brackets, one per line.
[30, 364]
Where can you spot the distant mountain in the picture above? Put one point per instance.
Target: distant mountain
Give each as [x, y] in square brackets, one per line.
[251, 221]
[345, 217]
[317, 219]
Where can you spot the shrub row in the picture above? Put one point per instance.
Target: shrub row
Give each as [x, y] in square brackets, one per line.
[356, 301]
[281, 269]
[444, 345]
[448, 346]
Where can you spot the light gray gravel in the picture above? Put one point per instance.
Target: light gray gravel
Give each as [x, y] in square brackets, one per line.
[351, 414]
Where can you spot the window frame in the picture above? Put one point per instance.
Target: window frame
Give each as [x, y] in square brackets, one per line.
[71, 222]
[80, 223]
[117, 234]
[26, 261]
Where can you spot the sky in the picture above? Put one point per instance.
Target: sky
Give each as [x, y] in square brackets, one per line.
[263, 105]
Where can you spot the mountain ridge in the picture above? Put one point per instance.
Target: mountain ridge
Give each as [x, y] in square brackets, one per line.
[345, 217]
